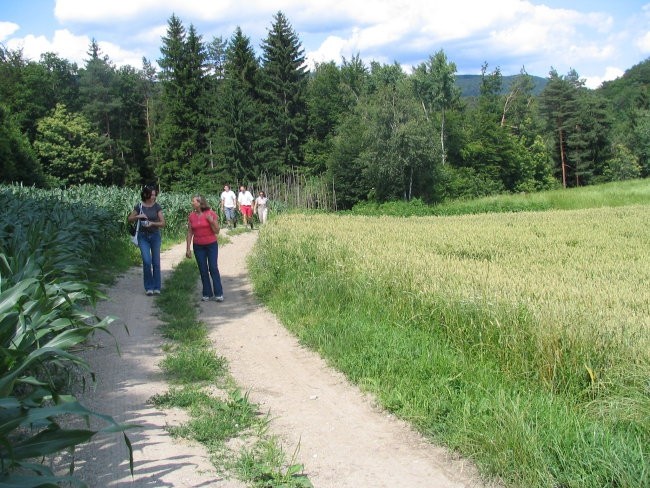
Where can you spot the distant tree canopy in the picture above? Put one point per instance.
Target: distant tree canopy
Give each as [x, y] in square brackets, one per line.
[218, 113]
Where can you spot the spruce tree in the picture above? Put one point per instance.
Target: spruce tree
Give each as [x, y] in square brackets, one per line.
[182, 148]
[285, 80]
[240, 129]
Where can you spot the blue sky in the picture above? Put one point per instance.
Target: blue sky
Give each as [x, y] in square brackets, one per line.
[600, 39]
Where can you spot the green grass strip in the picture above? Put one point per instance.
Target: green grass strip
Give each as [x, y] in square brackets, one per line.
[195, 370]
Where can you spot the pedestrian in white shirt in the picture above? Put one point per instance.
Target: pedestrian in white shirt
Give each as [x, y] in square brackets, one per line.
[260, 207]
[229, 206]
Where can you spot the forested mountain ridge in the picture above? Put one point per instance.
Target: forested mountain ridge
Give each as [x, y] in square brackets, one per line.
[218, 112]
[470, 85]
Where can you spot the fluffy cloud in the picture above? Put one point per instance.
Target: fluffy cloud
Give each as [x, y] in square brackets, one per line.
[504, 33]
[611, 73]
[64, 44]
[7, 29]
[73, 48]
[643, 43]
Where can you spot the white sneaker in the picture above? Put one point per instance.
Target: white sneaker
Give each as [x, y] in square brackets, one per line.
[219, 298]
[205, 299]
[149, 293]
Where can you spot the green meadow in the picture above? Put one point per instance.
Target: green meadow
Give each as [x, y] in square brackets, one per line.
[520, 340]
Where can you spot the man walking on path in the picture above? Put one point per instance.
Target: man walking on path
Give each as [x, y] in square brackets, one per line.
[229, 206]
[245, 202]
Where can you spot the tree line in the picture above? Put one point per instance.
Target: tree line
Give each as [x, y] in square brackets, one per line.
[214, 112]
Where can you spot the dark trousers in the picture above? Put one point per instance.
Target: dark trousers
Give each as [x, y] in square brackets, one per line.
[206, 258]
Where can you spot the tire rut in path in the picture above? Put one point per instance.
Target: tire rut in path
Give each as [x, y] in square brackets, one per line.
[126, 380]
[344, 439]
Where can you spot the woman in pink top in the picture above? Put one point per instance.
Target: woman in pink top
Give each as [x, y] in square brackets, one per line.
[202, 232]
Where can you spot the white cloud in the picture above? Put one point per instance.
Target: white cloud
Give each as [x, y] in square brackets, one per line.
[151, 36]
[643, 43]
[7, 29]
[505, 33]
[64, 44]
[73, 48]
[611, 73]
[94, 11]
[100, 11]
[332, 49]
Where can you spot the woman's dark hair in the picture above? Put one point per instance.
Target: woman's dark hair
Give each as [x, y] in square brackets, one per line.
[145, 194]
[203, 203]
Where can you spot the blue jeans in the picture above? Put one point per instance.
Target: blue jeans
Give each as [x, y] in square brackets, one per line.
[206, 258]
[149, 243]
[230, 213]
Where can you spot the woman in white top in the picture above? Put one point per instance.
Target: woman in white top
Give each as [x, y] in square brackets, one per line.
[260, 207]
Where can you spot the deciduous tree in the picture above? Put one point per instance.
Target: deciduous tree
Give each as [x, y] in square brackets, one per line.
[69, 151]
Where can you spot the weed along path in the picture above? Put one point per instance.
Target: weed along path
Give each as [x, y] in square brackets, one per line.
[339, 435]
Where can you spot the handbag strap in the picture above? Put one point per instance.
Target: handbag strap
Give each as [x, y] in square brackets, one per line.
[137, 226]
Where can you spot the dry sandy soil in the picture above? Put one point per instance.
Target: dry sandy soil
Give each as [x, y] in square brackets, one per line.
[344, 439]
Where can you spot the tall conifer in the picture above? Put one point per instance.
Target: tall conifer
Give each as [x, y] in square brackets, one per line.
[285, 80]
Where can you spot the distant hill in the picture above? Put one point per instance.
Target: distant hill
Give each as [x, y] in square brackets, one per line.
[470, 85]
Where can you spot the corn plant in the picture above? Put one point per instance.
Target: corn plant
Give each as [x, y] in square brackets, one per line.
[46, 248]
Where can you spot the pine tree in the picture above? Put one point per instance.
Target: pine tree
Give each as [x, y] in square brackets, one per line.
[580, 123]
[588, 142]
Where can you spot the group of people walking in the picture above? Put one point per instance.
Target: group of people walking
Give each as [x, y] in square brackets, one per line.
[245, 203]
[202, 234]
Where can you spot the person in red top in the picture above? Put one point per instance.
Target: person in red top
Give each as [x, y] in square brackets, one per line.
[202, 232]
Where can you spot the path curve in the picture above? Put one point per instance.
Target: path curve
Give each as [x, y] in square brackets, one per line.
[344, 439]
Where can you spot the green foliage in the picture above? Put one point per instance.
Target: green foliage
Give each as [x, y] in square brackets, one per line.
[284, 85]
[259, 466]
[616, 194]
[434, 84]
[18, 162]
[624, 165]
[240, 109]
[327, 102]
[181, 144]
[70, 152]
[218, 113]
[45, 291]
[347, 167]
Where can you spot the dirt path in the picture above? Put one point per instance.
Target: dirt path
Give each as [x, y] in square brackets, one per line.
[344, 439]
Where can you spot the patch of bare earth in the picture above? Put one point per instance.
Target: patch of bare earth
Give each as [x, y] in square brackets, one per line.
[343, 438]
